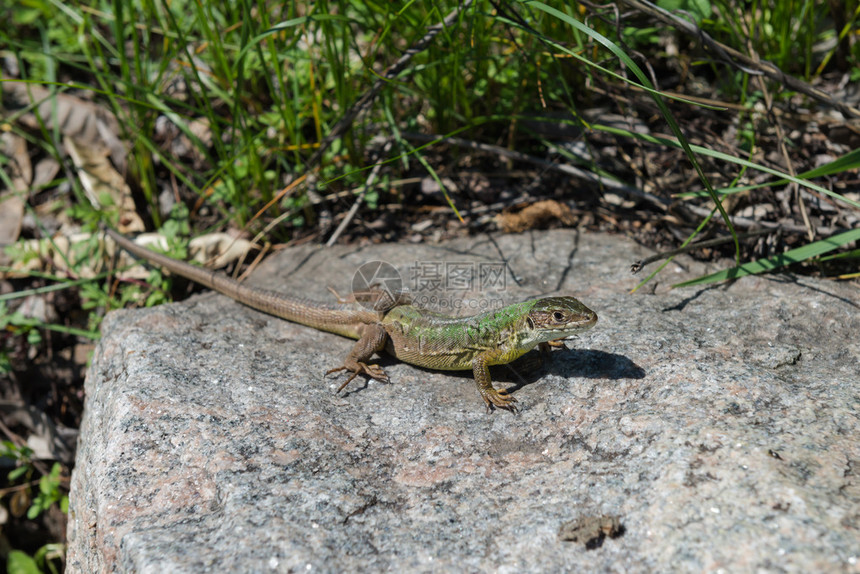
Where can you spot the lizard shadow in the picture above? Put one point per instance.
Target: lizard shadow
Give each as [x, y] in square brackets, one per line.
[529, 368]
[586, 363]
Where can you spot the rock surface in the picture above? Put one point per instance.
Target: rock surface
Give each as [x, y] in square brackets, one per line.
[711, 429]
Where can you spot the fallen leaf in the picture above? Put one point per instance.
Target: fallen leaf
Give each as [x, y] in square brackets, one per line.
[103, 184]
[14, 147]
[90, 136]
[535, 215]
[88, 123]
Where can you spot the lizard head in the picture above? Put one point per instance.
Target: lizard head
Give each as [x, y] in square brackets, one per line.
[558, 318]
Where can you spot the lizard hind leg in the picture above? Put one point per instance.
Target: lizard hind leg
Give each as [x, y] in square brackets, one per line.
[373, 338]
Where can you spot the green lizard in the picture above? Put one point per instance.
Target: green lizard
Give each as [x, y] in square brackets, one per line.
[412, 334]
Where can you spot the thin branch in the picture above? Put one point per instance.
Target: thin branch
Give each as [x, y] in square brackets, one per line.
[390, 74]
[738, 59]
[747, 223]
[639, 265]
[371, 179]
[659, 202]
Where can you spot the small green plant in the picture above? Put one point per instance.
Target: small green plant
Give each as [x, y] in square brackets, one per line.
[48, 558]
[49, 484]
[49, 494]
[20, 454]
[18, 322]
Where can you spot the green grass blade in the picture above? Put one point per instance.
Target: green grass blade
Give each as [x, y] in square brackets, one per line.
[658, 99]
[787, 258]
[849, 161]
[731, 159]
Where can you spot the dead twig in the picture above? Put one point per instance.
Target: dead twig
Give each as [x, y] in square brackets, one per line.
[390, 74]
[659, 202]
[639, 265]
[738, 59]
[746, 223]
[371, 179]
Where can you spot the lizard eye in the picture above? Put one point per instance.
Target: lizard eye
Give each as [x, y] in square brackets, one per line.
[558, 316]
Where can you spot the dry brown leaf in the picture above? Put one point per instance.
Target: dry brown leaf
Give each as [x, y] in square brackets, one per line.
[20, 171]
[218, 249]
[101, 181]
[179, 144]
[45, 172]
[66, 254]
[89, 124]
[90, 137]
[214, 250]
[535, 215]
[57, 255]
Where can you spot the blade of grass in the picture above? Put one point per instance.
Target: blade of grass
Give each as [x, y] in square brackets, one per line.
[63, 284]
[853, 254]
[658, 99]
[849, 161]
[787, 258]
[669, 259]
[731, 159]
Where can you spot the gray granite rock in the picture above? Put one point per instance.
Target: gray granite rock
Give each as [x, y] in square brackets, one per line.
[710, 429]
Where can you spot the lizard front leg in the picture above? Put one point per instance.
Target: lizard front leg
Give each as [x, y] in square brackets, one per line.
[546, 348]
[492, 396]
[373, 338]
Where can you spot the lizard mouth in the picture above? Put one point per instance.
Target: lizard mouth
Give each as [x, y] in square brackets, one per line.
[582, 326]
[569, 337]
